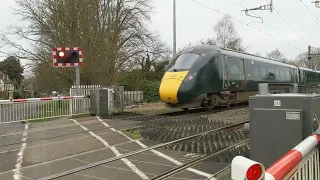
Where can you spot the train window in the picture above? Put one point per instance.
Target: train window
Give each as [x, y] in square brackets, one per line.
[270, 72]
[282, 76]
[263, 71]
[184, 62]
[288, 76]
[255, 71]
[277, 73]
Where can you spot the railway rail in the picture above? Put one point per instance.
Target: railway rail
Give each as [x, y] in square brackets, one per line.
[143, 117]
[194, 162]
[91, 165]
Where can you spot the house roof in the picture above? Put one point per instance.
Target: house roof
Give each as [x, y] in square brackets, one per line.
[4, 79]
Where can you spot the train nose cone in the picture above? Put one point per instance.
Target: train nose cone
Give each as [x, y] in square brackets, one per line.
[170, 85]
[169, 90]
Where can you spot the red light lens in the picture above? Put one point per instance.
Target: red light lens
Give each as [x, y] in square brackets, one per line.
[254, 172]
[190, 77]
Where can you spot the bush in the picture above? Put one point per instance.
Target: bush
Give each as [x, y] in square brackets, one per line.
[150, 90]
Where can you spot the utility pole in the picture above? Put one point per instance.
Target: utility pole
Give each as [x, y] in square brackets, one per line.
[309, 53]
[174, 28]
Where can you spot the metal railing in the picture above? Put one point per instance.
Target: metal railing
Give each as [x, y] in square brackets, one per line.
[298, 162]
[16, 110]
[308, 169]
[129, 97]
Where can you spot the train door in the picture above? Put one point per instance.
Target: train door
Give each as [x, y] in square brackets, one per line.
[243, 78]
[225, 75]
[236, 74]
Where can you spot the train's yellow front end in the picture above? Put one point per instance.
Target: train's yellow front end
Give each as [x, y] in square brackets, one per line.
[170, 85]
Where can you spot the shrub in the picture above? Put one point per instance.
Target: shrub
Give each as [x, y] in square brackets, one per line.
[150, 90]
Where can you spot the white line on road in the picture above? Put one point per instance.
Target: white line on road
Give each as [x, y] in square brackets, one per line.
[122, 169]
[17, 170]
[115, 151]
[159, 153]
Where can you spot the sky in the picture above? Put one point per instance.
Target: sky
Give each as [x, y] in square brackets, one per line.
[195, 21]
[196, 18]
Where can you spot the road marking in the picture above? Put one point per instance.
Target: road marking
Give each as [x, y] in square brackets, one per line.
[17, 171]
[152, 154]
[115, 151]
[159, 153]
[55, 142]
[88, 176]
[122, 169]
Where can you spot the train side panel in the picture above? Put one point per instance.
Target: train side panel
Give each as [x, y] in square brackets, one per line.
[309, 77]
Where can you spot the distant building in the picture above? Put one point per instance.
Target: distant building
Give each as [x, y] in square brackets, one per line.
[5, 83]
[6, 86]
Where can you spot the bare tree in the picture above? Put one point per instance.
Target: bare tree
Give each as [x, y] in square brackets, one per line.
[226, 35]
[185, 47]
[277, 55]
[151, 51]
[303, 61]
[209, 41]
[111, 33]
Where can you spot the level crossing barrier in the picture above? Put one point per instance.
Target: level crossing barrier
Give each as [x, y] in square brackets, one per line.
[15, 110]
[300, 163]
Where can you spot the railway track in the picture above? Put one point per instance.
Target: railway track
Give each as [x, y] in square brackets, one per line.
[91, 165]
[194, 162]
[144, 117]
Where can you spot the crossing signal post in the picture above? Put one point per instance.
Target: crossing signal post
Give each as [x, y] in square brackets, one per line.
[68, 57]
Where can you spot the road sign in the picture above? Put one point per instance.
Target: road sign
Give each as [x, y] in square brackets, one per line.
[67, 56]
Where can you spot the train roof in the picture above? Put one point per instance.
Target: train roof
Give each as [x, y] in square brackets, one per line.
[204, 48]
[307, 69]
[258, 58]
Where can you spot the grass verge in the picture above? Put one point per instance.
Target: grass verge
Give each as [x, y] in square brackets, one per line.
[133, 134]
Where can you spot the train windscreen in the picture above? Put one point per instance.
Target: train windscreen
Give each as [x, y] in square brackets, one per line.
[183, 62]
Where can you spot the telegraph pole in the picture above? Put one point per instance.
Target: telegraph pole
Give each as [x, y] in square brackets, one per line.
[309, 53]
[174, 28]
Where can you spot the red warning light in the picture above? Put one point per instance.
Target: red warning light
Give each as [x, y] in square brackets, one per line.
[67, 56]
[254, 172]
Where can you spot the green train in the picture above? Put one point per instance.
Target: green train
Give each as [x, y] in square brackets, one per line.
[206, 76]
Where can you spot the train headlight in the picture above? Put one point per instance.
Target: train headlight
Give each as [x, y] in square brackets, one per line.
[190, 77]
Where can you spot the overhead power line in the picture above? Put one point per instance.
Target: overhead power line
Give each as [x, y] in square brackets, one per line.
[309, 10]
[289, 24]
[246, 25]
[283, 34]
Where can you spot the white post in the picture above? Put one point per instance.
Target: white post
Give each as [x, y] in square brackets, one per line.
[174, 28]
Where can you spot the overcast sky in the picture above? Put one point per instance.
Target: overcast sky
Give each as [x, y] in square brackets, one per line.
[195, 22]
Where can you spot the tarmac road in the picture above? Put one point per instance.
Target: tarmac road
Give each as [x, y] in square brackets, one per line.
[22, 159]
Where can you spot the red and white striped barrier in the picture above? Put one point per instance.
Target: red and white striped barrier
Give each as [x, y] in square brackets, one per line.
[286, 163]
[41, 99]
